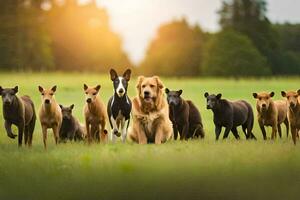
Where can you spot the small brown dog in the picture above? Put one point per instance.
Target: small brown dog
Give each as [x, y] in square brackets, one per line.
[293, 112]
[95, 115]
[271, 113]
[151, 123]
[50, 114]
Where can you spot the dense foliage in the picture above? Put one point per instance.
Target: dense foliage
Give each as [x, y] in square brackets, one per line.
[176, 50]
[60, 35]
[231, 54]
[247, 45]
[64, 35]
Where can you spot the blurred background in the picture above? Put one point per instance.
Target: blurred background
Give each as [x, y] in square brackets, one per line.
[168, 38]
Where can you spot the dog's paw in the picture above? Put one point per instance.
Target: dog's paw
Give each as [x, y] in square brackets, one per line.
[117, 133]
[12, 136]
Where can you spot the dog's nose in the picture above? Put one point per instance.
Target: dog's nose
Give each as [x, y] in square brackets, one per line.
[121, 91]
[207, 107]
[47, 101]
[292, 104]
[7, 102]
[146, 93]
[89, 100]
[172, 103]
[264, 105]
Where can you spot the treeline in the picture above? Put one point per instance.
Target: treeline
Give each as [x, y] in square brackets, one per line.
[64, 35]
[57, 35]
[248, 44]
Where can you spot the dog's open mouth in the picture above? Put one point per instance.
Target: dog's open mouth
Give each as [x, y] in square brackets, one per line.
[147, 99]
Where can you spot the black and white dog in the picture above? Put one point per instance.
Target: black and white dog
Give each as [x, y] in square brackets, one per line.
[119, 105]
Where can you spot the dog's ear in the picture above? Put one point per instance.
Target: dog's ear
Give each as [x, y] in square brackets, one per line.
[298, 92]
[219, 96]
[54, 88]
[167, 90]
[113, 74]
[139, 81]
[127, 74]
[206, 94]
[1, 89]
[72, 106]
[159, 82]
[97, 88]
[179, 92]
[16, 89]
[61, 106]
[255, 95]
[272, 94]
[85, 87]
[283, 94]
[41, 89]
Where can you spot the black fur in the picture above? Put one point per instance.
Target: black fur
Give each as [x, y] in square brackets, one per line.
[116, 104]
[185, 116]
[70, 127]
[231, 115]
[20, 112]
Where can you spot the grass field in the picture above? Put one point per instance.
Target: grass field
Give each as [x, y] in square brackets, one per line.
[177, 170]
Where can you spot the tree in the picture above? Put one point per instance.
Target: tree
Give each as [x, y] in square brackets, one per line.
[289, 40]
[65, 36]
[229, 53]
[83, 40]
[25, 43]
[249, 17]
[176, 50]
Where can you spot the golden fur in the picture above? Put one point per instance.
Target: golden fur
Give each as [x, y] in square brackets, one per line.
[271, 113]
[50, 114]
[293, 112]
[95, 115]
[151, 123]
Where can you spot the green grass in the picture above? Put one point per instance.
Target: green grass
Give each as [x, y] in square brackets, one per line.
[176, 170]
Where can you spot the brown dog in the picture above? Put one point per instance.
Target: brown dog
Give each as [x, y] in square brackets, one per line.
[185, 116]
[20, 112]
[293, 112]
[151, 123]
[50, 114]
[271, 113]
[94, 114]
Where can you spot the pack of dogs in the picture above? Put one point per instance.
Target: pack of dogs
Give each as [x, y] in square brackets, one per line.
[158, 114]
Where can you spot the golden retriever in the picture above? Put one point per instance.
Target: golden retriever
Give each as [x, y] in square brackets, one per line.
[150, 110]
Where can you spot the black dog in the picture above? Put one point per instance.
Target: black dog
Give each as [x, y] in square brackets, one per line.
[185, 116]
[70, 127]
[20, 112]
[119, 105]
[230, 115]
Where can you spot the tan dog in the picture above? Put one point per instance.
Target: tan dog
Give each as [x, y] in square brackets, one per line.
[50, 114]
[151, 123]
[271, 113]
[293, 112]
[94, 114]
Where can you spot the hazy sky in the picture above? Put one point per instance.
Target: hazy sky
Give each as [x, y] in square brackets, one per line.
[137, 20]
